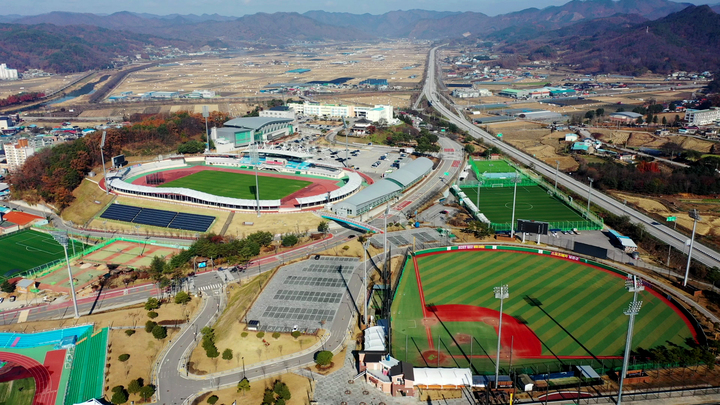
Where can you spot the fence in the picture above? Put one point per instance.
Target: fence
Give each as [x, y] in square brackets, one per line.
[563, 225]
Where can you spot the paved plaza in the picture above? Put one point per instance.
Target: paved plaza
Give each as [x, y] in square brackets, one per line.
[307, 294]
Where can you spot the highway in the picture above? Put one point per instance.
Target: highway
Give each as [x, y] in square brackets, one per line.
[701, 253]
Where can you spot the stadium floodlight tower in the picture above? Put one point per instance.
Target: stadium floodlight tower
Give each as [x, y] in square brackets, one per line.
[255, 160]
[365, 246]
[501, 293]
[62, 239]
[206, 114]
[387, 212]
[102, 157]
[696, 217]
[557, 168]
[633, 285]
[516, 180]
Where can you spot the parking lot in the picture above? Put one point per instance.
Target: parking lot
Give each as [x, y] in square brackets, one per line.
[305, 295]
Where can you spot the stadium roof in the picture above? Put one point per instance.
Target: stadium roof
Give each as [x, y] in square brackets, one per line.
[410, 173]
[376, 190]
[354, 182]
[374, 338]
[443, 376]
[254, 122]
[626, 114]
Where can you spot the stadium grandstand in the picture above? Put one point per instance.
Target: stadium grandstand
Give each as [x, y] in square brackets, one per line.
[390, 187]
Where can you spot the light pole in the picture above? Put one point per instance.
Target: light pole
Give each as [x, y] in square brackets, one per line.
[557, 167]
[387, 212]
[206, 114]
[501, 293]
[102, 157]
[516, 180]
[480, 183]
[589, 195]
[633, 285]
[62, 239]
[365, 281]
[696, 217]
[255, 159]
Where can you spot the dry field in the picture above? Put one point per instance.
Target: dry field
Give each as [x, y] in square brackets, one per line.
[710, 221]
[275, 223]
[84, 207]
[245, 75]
[37, 84]
[301, 389]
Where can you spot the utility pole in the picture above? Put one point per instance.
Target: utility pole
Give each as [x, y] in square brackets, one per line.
[589, 195]
[516, 180]
[696, 217]
[501, 293]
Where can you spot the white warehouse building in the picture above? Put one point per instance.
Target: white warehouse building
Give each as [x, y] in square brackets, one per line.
[702, 117]
[344, 111]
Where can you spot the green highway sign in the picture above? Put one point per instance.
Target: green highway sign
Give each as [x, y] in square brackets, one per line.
[671, 219]
[500, 135]
[447, 174]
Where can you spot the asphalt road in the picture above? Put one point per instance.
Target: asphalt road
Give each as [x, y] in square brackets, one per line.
[701, 253]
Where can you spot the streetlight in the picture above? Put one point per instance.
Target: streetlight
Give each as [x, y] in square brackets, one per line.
[557, 167]
[501, 293]
[365, 278]
[589, 195]
[62, 239]
[696, 217]
[516, 180]
[633, 285]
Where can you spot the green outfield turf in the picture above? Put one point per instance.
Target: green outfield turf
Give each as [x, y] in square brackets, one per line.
[576, 311]
[238, 185]
[17, 392]
[25, 250]
[532, 203]
[493, 166]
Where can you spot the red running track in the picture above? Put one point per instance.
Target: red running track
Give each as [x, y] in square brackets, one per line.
[47, 377]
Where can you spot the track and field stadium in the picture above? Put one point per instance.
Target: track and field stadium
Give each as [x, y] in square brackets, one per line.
[59, 367]
[560, 311]
[287, 181]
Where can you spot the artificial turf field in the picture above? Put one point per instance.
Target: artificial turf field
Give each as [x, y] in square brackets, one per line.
[558, 312]
[238, 185]
[17, 392]
[25, 250]
[532, 203]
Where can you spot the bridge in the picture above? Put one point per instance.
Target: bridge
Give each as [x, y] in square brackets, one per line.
[351, 222]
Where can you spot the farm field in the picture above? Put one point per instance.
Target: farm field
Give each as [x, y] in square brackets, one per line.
[558, 312]
[28, 249]
[238, 185]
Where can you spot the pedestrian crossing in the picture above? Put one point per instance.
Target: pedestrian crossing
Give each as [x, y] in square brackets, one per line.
[210, 287]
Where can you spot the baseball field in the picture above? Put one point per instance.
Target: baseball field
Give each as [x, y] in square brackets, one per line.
[25, 250]
[238, 185]
[559, 311]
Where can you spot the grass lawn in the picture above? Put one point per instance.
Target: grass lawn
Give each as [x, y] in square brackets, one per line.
[17, 392]
[28, 249]
[238, 185]
[532, 203]
[580, 312]
[493, 166]
[83, 208]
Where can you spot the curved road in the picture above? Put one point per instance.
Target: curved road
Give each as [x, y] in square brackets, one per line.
[701, 253]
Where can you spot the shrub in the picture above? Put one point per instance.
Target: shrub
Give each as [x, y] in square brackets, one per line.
[346, 247]
[124, 357]
[152, 314]
[244, 334]
[289, 240]
[212, 399]
[182, 298]
[152, 304]
[227, 354]
[282, 390]
[147, 391]
[159, 332]
[244, 385]
[7, 287]
[130, 332]
[119, 397]
[276, 335]
[296, 334]
[135, 386]
[324, 358]
[149, 326]
[260, 335]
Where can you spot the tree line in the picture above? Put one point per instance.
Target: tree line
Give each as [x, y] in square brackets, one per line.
[20, 98]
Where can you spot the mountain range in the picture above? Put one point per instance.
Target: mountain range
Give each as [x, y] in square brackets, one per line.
[537, 27]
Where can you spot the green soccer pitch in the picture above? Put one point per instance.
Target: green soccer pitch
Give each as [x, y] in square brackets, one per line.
[25, 250]
[532, 203]
[238, 185]
[558, 312]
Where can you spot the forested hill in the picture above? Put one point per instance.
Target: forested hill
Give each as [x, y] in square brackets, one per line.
[68, 49]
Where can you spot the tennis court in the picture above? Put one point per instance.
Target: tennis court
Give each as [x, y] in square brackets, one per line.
[238, 185]
[28, 249]
[559, 311]
[129, 254]
[532, 203]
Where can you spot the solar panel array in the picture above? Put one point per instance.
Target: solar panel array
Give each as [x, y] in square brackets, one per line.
[309, 296]
[315, 281]
[159, 218]
[300, 314]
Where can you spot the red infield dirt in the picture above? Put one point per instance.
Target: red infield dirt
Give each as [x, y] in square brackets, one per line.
[318, 186]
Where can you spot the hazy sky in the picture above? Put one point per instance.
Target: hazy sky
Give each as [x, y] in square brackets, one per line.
[242, 7]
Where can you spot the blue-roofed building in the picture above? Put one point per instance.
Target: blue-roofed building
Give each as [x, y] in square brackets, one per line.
[580, 147]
